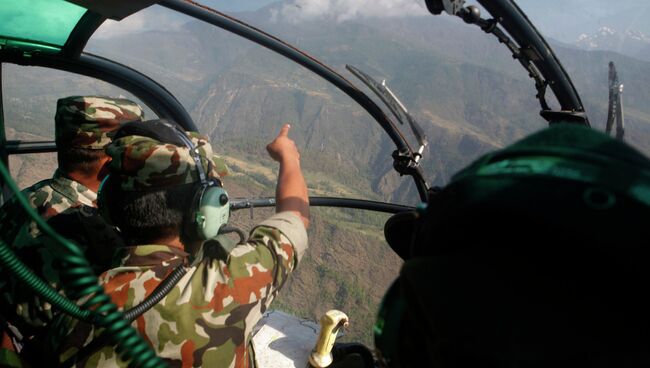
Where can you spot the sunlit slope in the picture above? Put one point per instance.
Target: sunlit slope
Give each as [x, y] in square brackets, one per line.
[261, 91]
[462, 85]
[348, 265]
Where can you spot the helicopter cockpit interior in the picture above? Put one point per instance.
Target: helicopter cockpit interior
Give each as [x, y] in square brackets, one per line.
[532, 255]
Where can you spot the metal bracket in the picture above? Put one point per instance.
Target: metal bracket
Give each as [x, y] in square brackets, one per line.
[404, 163]
[452, 7]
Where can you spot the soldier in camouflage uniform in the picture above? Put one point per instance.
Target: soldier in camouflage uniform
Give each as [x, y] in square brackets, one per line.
[207, 318]
[83, 127]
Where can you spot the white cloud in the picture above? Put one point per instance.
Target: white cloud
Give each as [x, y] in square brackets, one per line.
[342, 10]
[151, 19]
[111, 28]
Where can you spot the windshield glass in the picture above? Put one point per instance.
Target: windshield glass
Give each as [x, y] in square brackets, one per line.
[460, 84]
[29, 101]
[240, 94]
[463, 87]
[587, 36]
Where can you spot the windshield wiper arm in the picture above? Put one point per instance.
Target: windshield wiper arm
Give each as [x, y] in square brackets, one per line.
[528, 47]
[395, 106]
[615, 108]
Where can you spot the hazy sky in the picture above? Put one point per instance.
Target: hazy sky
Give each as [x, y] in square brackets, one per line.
[564, 20]
[560, 19]
[342, 10]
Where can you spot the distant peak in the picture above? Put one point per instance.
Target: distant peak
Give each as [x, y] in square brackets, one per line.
[608, 38]
[606, 31]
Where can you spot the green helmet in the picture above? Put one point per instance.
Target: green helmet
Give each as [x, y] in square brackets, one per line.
[535, 255]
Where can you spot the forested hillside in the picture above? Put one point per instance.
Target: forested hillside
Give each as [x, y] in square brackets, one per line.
[462, 85]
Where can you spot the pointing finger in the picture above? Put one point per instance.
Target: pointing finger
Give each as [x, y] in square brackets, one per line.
[285, 130]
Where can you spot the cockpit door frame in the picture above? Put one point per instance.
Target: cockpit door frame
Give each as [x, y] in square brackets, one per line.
[151, 93]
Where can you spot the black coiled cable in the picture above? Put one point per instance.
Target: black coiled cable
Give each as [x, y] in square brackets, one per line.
[232, 229]
[160, 292]
[131, 314]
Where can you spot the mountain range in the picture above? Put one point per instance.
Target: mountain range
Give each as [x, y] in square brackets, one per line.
[630, 42]
[460, 84]
[566, 20]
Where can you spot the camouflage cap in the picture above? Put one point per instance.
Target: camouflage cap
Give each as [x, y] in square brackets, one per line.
[144, 163]
[88, 121]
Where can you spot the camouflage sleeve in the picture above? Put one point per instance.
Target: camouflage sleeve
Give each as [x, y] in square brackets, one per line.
[269, 256]
[292, 227]
[208, 318]
[255, 271]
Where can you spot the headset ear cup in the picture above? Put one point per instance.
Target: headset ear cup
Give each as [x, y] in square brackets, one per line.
[212, 212]
[190, 228]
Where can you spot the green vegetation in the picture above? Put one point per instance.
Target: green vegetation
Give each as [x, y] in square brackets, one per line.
[240, 95]
[351, 297]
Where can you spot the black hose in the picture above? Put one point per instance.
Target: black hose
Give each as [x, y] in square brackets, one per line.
[156, 296]
[232, 229]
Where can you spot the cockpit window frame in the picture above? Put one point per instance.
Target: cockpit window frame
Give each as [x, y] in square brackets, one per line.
[71, 58]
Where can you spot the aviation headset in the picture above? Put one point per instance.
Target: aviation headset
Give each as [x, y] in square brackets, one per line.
[209, 210]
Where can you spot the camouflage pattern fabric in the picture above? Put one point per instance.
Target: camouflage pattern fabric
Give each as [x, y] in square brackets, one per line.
[8, 355]
[144, 163]
[88, 121]
[50, 198]
[81, 122]
[207, 319]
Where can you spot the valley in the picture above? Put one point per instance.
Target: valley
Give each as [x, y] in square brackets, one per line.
[461, 85]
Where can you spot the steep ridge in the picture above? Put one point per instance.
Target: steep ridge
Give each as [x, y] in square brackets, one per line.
[463, 87]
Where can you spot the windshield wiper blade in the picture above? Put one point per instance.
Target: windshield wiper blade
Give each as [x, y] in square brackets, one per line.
[420, 136]
[395, 106]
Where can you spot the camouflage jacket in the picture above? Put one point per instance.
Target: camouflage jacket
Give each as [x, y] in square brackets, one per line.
[207, 319]
[50, 198]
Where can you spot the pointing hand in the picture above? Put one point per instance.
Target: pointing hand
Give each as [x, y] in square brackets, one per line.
[283, 148]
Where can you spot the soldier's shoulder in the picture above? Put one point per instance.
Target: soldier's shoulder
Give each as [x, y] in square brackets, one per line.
[41, 186]
[42, 193]
[50, 197]
[34, 194]
[284, 228]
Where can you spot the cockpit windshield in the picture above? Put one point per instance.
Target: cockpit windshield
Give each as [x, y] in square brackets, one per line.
[460, 84]
[589, 35]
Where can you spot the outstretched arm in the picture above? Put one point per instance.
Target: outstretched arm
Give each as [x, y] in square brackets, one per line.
[291, 191]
